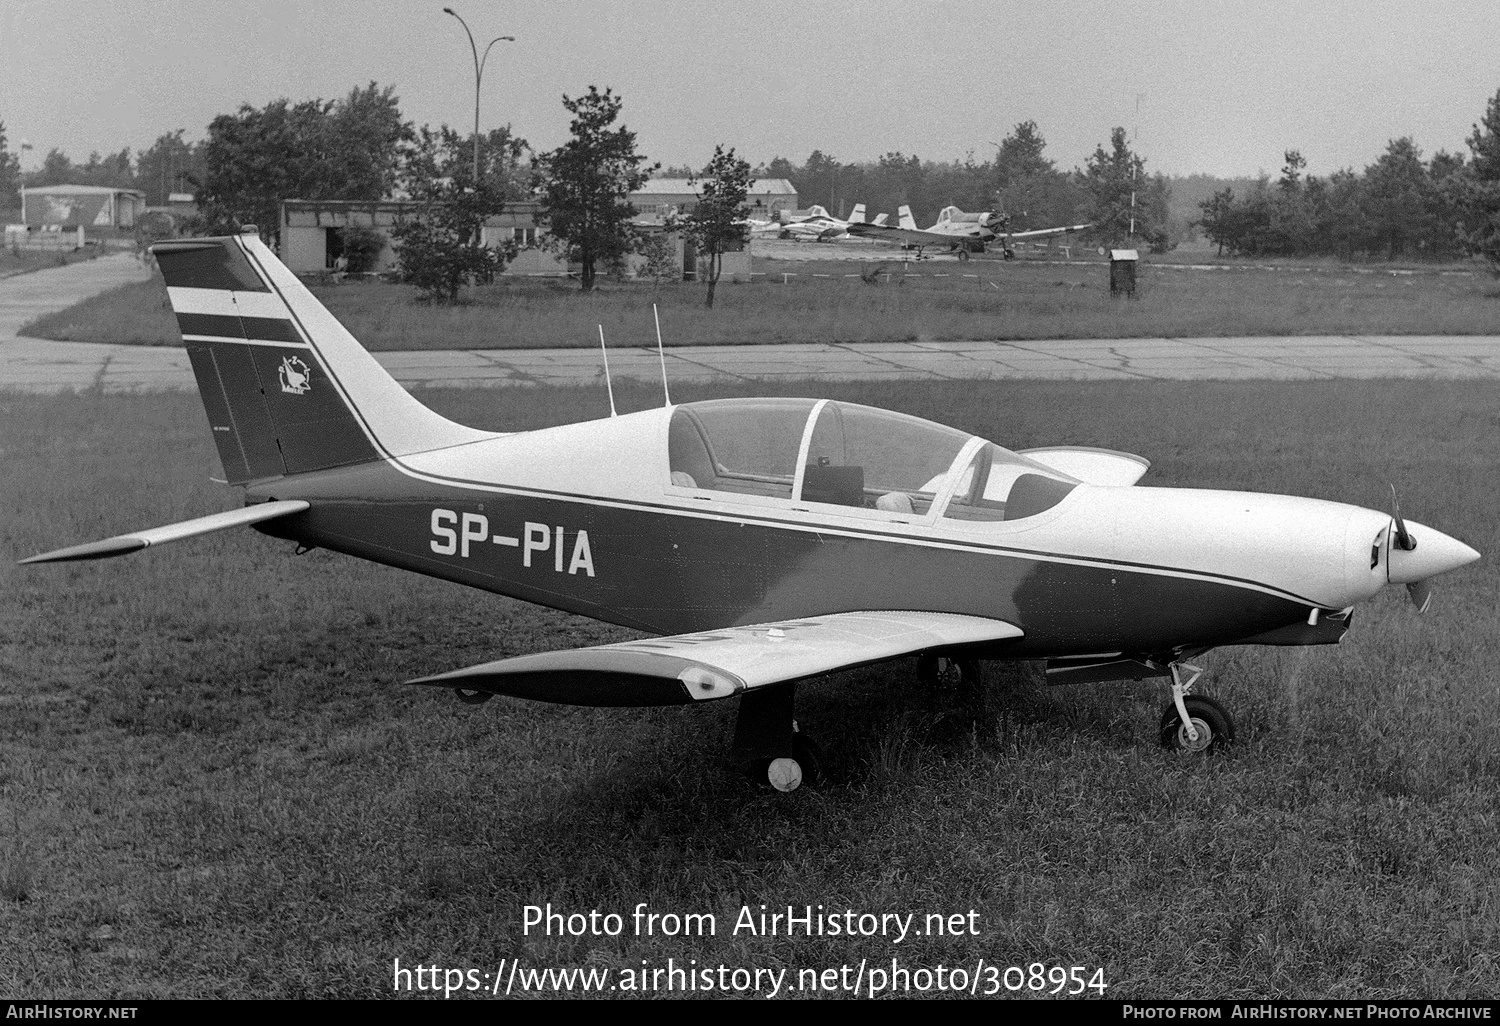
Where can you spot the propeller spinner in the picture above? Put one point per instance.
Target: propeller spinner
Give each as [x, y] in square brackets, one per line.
[1414, 565]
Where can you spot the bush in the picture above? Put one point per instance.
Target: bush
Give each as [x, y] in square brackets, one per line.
[362, 249]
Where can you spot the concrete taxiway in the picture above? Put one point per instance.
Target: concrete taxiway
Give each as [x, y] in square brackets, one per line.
[38, 366]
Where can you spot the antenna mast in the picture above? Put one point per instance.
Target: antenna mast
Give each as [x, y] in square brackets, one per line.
[663, 354]
[607, 383]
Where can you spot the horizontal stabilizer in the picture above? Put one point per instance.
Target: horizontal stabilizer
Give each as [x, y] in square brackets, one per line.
[1092, 466]
[137, 540]
[721, 663]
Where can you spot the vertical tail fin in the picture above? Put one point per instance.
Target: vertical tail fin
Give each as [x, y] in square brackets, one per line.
[858, 216]
[904, 218]
[287, 389]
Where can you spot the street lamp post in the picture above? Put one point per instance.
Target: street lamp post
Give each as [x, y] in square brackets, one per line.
[479, 63]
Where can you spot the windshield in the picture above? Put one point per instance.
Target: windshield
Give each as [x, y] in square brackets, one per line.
[841, 454]
[1001, 485]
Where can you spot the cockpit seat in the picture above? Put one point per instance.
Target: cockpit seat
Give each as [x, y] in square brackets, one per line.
[895, 502]
[841, 486]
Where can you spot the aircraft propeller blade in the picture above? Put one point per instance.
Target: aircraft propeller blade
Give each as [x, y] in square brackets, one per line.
[1404, 541]
[1420, 592]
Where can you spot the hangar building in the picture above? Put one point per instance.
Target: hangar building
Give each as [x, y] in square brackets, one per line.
[659, 198]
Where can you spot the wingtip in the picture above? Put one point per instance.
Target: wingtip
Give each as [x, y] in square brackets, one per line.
[89, 550]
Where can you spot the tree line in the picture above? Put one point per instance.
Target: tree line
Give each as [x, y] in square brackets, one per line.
[1400, 207]
[359, 147]
[1021, 182]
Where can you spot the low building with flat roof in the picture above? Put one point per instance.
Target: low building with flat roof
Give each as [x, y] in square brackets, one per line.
[81, 206]
[311, 233]
[660, 198]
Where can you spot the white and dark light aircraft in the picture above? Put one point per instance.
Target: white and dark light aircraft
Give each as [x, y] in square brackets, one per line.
[821, 226]
[958, 231]
[761, 542]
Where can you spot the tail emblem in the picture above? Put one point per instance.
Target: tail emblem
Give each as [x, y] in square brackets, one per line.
[296, 378]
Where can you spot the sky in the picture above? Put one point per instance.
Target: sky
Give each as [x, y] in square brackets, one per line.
[1220, 87]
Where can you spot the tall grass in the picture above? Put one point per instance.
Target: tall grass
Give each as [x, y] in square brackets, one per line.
[213, 784]
[1001, 301]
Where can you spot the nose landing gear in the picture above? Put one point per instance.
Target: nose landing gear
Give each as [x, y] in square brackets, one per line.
[1193, 723]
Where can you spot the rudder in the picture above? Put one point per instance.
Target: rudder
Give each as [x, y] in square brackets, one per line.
[287, 390]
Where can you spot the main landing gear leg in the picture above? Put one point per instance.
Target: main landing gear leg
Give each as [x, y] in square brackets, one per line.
[767, 742]
[1193, 723]
[963, 675]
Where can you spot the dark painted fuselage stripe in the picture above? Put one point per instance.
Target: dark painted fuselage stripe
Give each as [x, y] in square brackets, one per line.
[672, 574]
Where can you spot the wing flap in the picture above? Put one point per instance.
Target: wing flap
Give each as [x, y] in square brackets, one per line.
[121, 544]
[721, 663]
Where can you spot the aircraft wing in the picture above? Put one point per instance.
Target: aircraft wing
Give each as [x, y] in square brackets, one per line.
[721, 663]
[1042, 233]
[121, 544]
[912, 236]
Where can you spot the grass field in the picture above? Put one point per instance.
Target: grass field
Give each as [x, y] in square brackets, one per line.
[826, 301]
[212, 783]
[25, 260]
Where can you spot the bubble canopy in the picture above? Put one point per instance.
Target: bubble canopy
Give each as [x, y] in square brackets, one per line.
[821, 454]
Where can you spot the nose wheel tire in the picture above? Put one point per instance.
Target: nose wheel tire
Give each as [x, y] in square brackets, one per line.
[1211, 720]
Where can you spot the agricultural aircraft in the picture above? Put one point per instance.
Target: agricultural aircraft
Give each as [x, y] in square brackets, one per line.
[821, 226]
[958, 231]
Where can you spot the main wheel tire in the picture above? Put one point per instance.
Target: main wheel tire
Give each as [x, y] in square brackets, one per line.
[468, 696]
[784, 774]
[1211, 720]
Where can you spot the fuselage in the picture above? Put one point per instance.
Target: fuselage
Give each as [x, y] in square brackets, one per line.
[587, 518]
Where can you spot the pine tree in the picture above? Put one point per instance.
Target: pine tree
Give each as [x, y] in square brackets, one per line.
[586, 183]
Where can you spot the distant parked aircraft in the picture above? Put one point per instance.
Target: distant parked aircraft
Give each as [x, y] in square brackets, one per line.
[821, 226]
[957, 230]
